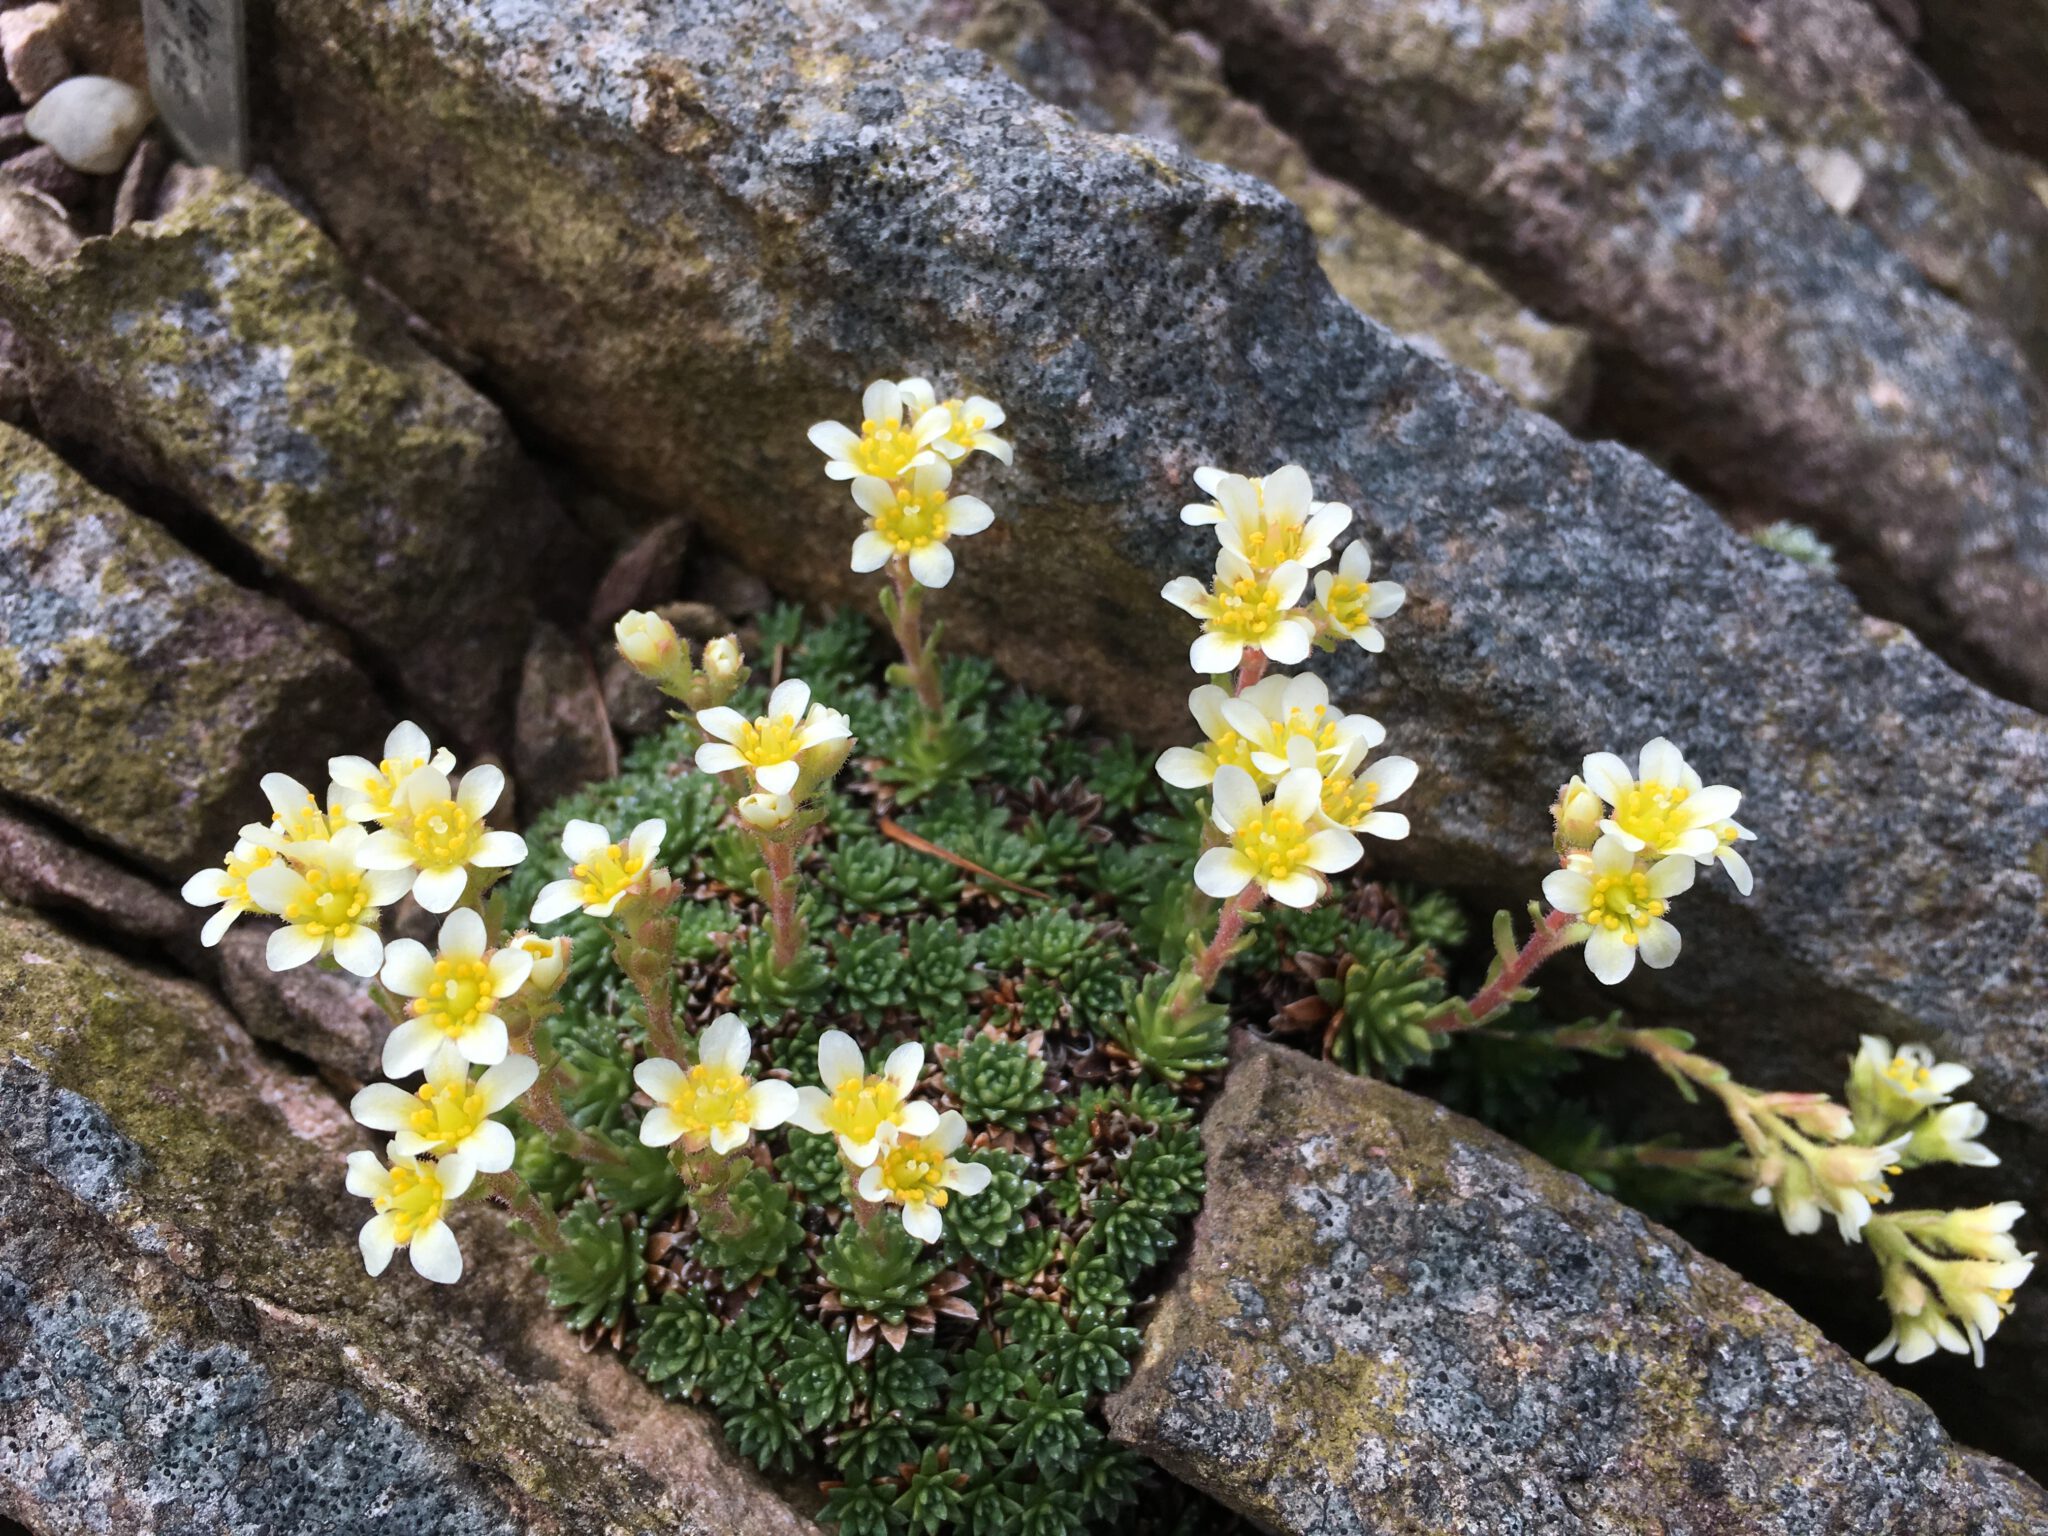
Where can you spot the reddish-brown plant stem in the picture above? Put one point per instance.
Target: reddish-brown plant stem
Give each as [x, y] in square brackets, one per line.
[529, 1208]
[1250, 669]
[783, 921]
[908, 624]
[1551, 937]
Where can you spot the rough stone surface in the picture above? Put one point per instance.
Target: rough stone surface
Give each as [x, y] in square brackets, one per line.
[142, 694]
[1852, 106]
[188, 1342]
[1993, 56]
[32, 48]
[325, 1017]
[41, 870]
[1392, 1320]
[564, 739]
[1589, 152]
[729, 206]
[224, 355]
[1117, 67]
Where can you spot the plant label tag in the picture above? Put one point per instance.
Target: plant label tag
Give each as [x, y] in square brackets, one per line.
[198, 75]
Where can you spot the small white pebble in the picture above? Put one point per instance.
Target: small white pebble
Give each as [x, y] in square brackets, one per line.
[91, 122]
[1836, 175]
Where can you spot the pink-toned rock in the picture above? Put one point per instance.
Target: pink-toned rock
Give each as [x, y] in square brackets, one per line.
[32, 48]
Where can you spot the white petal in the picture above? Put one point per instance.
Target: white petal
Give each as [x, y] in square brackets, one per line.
[275, 887]
[508, 971]
[1298, 793]
[206, 888]
[1290, 642]
[810, 1110]
[1394, 775]
[377, 1243]
[1391, 825]
[410, 1047]
[383, 1106]
[499, 850]
[1222, 872]
[721, 721]
[923, 1222]
[582, 841]
[1738, 869]
[871, 1187]
[501, 1084]
[932, 566]
[1568, 891]
[436, 1256]
[874, 496]
[1333, 850]
[833, 439]
[792, 696]
[366, 1176]
[1614, 855]
[290, 947]
[968, 1178]
[1187, 594]
[729, 1138]
[1658, 944]
[1609, 956]
[917, 1118]
[485, 1044]
[493, 1147]
[1235, 798]
[462, 936]
[839, 1059]
[725, 1045]
[659, 1127]
[904, 1066]
[1607, 775]
[658, 1078]
[871, 552]
[778, 778]
[217, 925]
[950, 1131]
[408, 968]
[437, 890]
[882, 402]
[1717, 802]
[558, 898]
[773, 1103]
[1671, 877]
[481, 787]
[1300, 890]
[967, 514]
[1661, 763]
[1185, 768]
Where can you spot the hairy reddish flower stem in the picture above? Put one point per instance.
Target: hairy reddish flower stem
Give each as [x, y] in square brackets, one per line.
[787, 927]
[529, 1208]
[907, 621]
[1208, 965]
[1546, 941]
[1250, 669]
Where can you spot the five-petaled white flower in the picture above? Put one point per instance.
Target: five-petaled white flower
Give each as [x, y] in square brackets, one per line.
[1281, 845]
[329, 902]
[1277, 712]
[1727, 835]
[1267, 522]
[883, 447]
[1622, 904]
[440, 833]
[227, 887]
[1352, 603]
[450, 1112]
[367, 791]
[912, 518]
[919, 1174]
[601, 872]
[1662, 808]
[411, 1199]
[1245, 610]
[1354, 790]
[769, 746]
[454, 992]
[295, 815]
[859, 1107]
[714, 1103]
[974, 421]
[1193, 767]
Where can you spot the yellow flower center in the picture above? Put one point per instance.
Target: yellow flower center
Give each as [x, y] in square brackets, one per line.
[457, 998]
[965, 426]
[916, 521]
[1653, 812]
[1347, 802]
[609, 872]
[911, 1172]
[1907, 1074]
[332, 904]
[1245, 610]
[303, 824]
[239, 870]
[449, 1113]
[860, 1107]
[415, 1200]
[382, 791]
[1233, 751]
[445, 836]
[1623, 904]
[885, 449]
[1275, 844]
[1347, 605]
[710, 1099]
[1271, 543]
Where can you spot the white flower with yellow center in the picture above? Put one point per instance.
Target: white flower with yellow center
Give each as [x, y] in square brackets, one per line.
[441, 834]
[1623, 905]
[550, 957]
[768, 746]
[453, 992]
[1352, 603]
[329, 902]
[1245, 610]
[412, 1199]
[1277, 712]
[912, 518]
[368, 791]
[859, 1107]
[919, 1174]
[295, 814]
[601, 872]
[227, 887]
[1727, 834]
[974, 421]
[1890, 1088]
[715, 1103]
[1280, 845]
[1950, 1136]
[1662, 808]
[450, 1112]
[1268, 522]
[884, 447]
[1949, 1278]
[1193, 767]
[1355, 790]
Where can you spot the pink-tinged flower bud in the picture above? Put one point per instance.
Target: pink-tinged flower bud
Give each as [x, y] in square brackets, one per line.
[649, 642]
[1577, 814]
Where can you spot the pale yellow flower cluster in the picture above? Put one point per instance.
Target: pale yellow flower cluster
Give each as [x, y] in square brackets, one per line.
[900, 462]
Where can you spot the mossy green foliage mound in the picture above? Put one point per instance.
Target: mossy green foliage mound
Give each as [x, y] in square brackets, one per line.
[945, 1387]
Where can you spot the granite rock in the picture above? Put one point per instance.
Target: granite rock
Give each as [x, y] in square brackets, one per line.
[143, 694]
[1392, 1320]
[225, 356]
[190, 1342]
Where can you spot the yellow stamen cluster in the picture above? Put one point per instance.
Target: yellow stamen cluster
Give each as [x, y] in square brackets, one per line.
[1245, 609]
[918, 518]
[1652, 812]
[1622, 903]
[710, 1099]
[336, 902]
[1347, 802]
[1348, 604]
[449, 1112]
[1275, 843]
[415, 1202]
[607, 873]
[912, 1171]
[885, 449]
[457, 998]
[860, 1107]
[445, 835]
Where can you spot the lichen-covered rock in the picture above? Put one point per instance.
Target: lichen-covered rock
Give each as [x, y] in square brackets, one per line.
[190, 1342]
[750, 210]
[1590, 154]
[1392, 1320]
[1117, 67]
[224, 355]
[1993, 56]
[1874, 133]
[143, 694]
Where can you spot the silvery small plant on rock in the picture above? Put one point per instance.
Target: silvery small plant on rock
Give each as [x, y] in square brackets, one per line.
[845, 1072]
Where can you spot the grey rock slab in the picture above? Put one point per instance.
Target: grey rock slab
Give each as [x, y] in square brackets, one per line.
[1393, 1320]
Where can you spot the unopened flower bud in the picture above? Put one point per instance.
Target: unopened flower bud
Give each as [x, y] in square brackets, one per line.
[649, 642]
[550, 956]
[1577, 814]
[723, 662]
[767, 811]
